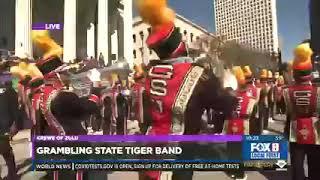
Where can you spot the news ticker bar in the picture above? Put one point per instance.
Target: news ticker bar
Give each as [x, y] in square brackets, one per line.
[163, 166]
[143, 138]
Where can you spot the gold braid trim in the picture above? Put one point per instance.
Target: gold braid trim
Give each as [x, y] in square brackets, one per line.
[182, 99]
[46, 110]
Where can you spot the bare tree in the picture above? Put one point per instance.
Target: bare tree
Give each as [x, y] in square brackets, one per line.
[220, 53]
[236, 54]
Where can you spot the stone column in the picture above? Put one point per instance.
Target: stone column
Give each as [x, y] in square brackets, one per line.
[23, 42]
[103, 30]
[90, 41]
[128, 31]
[70, 30]
[115, 45]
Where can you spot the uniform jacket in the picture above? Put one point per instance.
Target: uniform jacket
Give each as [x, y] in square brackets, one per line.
[302, 102]
[240, 122]
[179, 92]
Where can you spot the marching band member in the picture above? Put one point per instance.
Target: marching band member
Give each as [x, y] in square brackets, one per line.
[271, 84]
[55, 110]
[288, 75]
[94, 99]
[302, 101]
[177, 90]
[243, 120]
[139, 96]
[263, 100]
[243, 116]
[114, 116]
[8, 114]
[250, 82]
[278, 91]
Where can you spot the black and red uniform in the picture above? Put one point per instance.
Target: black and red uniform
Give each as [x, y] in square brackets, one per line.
[54, 109]
[302, 101]
[243, 119]
[303, 127]
[138, 102]
[179, 91]
[242, 122]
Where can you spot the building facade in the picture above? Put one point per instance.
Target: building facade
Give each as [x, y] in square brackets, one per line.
[250, 22]
[90, 27]
[191, 34]
[314, 16]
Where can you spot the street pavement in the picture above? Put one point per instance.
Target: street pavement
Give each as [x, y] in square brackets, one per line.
[21, 146]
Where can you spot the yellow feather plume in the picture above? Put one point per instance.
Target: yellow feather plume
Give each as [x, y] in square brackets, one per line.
[124, 83]
[264, 73]
[34, 71]
[139, 72]
[23, 65]
[114, 77]
[18, 72]
[280, 80]
[247, 71]
[39, 33]
[43, 40]
[302, 58]
[303, 52]
[22, 70]
[270, 74]
[238, 72]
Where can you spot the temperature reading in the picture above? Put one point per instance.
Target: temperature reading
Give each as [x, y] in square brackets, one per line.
[279, 138]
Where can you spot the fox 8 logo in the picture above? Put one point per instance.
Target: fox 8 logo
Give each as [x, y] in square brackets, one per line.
[275, 147]
[265, 147]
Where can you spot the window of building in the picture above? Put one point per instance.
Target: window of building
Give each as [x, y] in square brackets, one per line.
[141, 52]
[149, 30]
[150, 51]
[191, 37]
[134, 38]
[141, 35]
[185, 32]
[134, 54]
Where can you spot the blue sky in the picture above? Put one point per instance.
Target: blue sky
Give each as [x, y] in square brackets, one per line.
[293, 19]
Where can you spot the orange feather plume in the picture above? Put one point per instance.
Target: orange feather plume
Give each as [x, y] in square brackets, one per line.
[155, 12]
